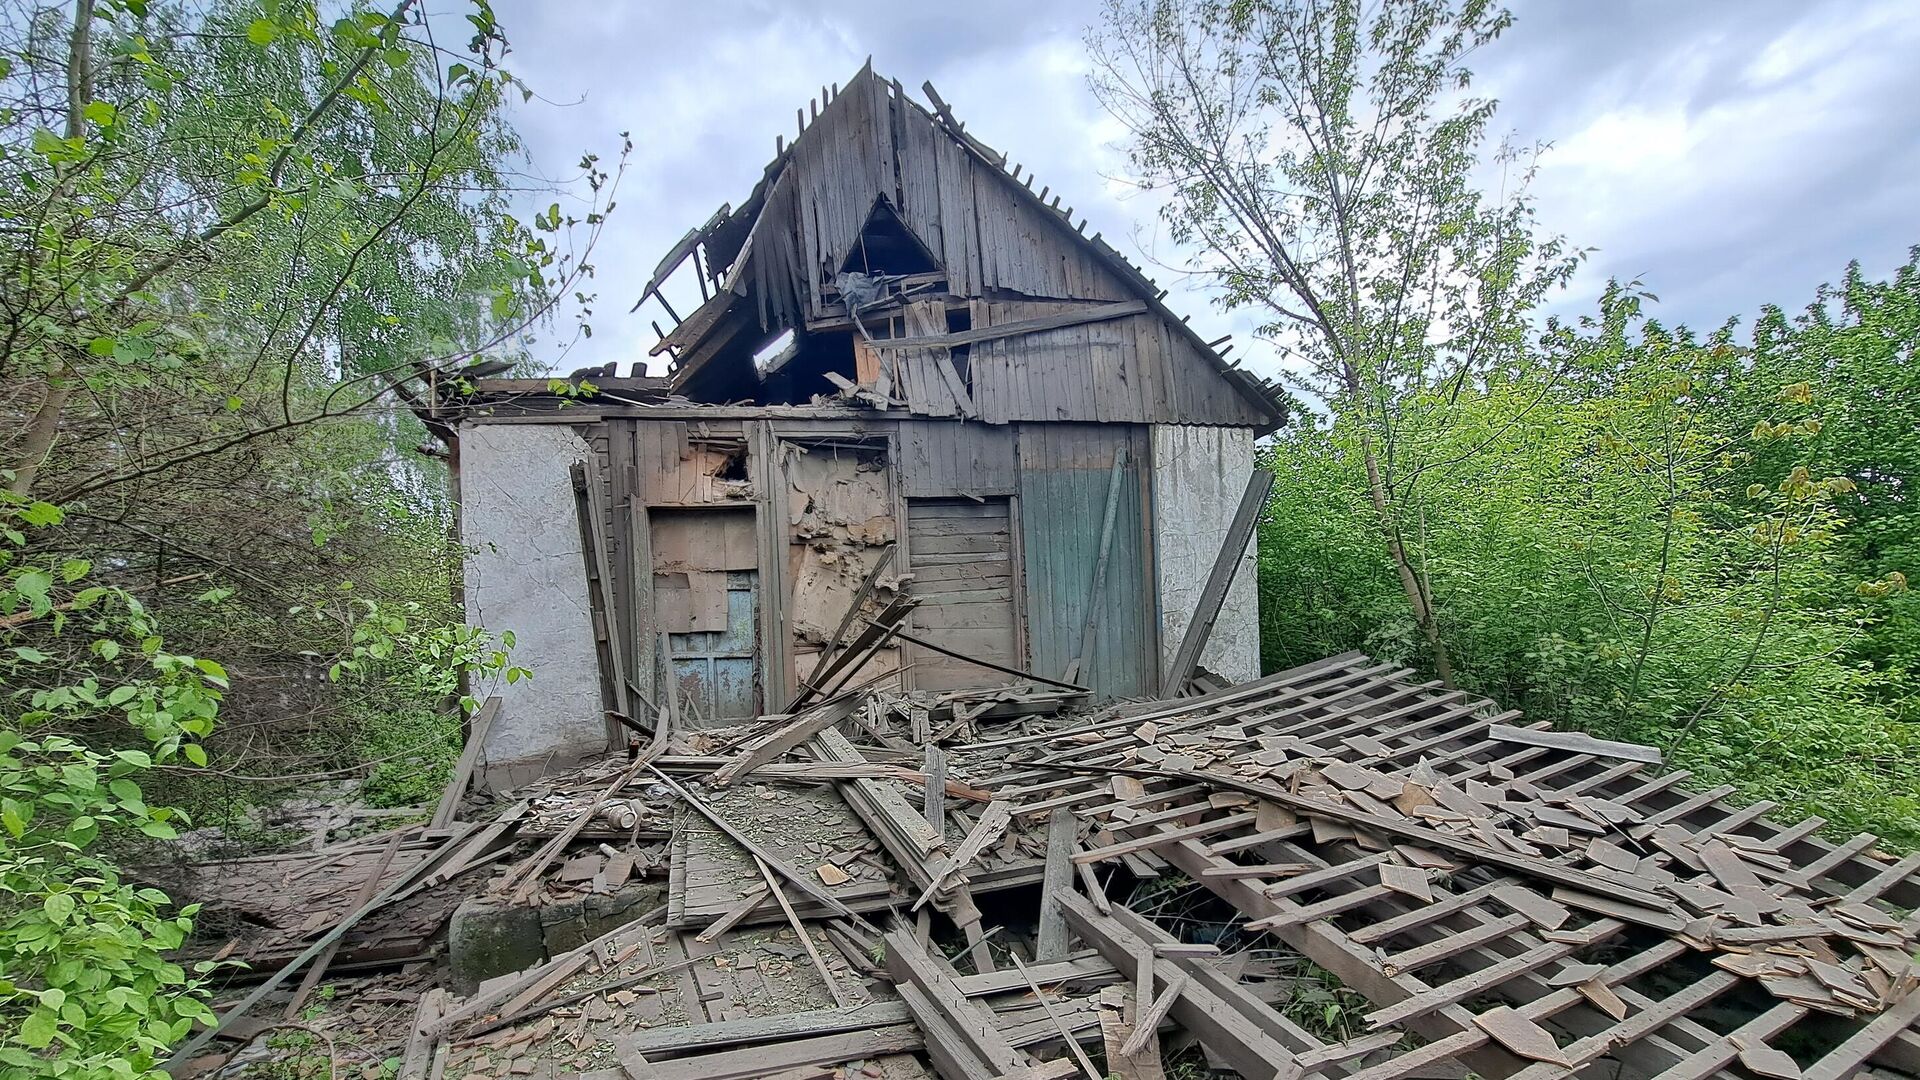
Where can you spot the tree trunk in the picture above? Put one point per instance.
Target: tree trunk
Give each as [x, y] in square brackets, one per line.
[1410, 580]
[37, 441]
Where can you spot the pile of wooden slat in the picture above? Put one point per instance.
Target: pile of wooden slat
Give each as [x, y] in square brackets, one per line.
[849, 890]
[1524, 900]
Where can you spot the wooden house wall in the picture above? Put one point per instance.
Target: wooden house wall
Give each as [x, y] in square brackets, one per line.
[1128, 370]
[994, 240]
[976, 222]
[952, 458]
[1048, 481]
[1065, 472]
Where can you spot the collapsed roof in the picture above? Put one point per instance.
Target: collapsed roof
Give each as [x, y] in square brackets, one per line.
[1478, 893]
[882, 211]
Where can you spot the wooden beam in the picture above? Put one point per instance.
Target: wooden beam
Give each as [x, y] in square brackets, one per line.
[1219, 1025]
[1019, 328]
[795, 731]
[959, 1033]
[463, 769]
[1062, 830]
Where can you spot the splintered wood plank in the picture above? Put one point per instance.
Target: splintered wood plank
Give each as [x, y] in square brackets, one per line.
[1051, 942]
[1575, 742]
[1151, 1016]
[1116, 1029]
[1522, 1036]
[993, 822]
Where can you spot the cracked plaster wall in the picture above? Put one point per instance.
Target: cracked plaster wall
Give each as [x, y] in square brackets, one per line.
[1199, 474]
[525, 573]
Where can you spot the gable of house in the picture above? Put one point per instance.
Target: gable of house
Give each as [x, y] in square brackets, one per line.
[1034, 319]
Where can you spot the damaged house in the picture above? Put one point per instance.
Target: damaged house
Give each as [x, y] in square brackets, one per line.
[908, 366]
[897, 630]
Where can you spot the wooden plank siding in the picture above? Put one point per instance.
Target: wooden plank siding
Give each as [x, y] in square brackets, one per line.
[994, 240]
[948, 457]
[962, 559]
[1064, 476]
[1128, 370]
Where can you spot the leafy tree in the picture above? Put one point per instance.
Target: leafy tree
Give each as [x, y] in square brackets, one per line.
[1656, 549]
[1321, 157]
[246, 247]
[85, 987]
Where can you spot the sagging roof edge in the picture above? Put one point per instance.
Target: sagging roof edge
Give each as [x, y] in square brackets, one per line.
[1272, 400]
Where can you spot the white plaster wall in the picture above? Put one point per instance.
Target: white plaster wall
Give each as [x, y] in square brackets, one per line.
[1199, 474]
[525, 573]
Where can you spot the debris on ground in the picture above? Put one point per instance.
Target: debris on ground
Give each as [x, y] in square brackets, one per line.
[1333, 871]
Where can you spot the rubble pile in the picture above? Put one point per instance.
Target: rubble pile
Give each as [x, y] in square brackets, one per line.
[1335, 871]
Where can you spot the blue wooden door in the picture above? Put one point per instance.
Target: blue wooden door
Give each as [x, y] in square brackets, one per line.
[705, 600]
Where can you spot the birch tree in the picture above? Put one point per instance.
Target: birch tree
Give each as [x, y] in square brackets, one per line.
[1328, 166]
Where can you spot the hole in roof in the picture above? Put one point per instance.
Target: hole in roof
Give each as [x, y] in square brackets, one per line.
[765, 356]
[886, 246]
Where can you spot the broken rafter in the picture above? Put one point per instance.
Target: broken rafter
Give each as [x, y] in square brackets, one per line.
[1018, 328]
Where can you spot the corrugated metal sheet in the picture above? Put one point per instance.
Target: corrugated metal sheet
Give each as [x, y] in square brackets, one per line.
[1065, 470]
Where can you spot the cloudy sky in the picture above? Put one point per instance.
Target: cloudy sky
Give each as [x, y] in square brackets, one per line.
[1727, 153]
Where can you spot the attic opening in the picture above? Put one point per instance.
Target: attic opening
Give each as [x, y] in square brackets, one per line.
[886, 246]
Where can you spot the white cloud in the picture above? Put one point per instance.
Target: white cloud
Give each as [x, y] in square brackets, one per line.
[1729, 151]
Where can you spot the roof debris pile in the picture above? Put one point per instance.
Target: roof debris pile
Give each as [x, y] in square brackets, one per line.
[1005, 883]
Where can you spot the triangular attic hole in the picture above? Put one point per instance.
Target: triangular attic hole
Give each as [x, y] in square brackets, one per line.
[886, 246]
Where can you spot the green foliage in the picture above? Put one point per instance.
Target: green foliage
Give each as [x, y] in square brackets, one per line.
[410, 665]
[1655, 538]
[1321, 158]
[85, 988]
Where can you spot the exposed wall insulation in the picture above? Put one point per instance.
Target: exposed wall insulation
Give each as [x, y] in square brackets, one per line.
[525, 573]
[839, 507]
[1199, 474]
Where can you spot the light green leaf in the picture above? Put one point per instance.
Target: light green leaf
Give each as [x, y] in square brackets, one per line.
[262, 32]
[41, 513]
[37, 1030]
